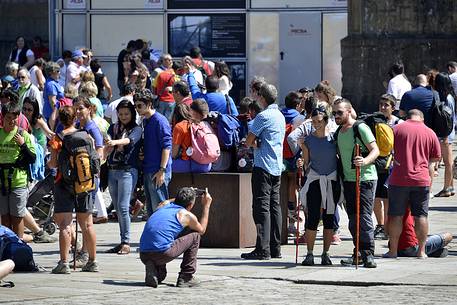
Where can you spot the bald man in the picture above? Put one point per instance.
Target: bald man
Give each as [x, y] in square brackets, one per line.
[420, 97]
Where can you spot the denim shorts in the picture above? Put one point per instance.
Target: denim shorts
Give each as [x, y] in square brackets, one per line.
[416, 197]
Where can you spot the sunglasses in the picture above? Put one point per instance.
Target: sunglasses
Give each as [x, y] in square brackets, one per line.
[337, 113]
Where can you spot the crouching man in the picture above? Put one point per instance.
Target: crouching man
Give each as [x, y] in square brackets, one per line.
[162, 241]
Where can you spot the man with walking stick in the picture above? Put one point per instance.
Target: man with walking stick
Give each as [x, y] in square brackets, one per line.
[349, 133]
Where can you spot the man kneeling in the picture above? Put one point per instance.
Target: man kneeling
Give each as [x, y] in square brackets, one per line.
[160, 243]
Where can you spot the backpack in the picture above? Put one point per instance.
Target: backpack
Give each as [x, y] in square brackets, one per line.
[228, 128]
[11, 247]
[36, 169]
[205, 145]
[286, 151]
[78, 161]
[441, 117]
[383, 133]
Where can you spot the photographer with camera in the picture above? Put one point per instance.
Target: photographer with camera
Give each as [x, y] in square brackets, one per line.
[164, 237]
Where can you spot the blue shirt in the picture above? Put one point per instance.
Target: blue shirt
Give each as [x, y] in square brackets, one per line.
[322, 154]
[128, 155]
[420, 98]
[161, 229]
[94, 132]
[289, 114]
[157, 137]
[216, 100]
[269, 127]
[51, 88]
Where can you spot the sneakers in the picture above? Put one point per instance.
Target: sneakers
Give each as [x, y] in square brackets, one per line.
[61, 268]
[325, 260]
[256, 255]
[190, 282]
[336, 240]
[379, 233]
[43, 237]
[368, 262]
[151, 279]
[91, 266]
[351, 261]
[309, 260]
[81, 259]
[443, 252]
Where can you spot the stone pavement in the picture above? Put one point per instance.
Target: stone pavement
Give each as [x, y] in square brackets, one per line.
[226, 279]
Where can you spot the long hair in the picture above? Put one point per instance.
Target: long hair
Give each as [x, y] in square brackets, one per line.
[443, 85]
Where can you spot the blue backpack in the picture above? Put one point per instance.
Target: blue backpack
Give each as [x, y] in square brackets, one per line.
[11, 247]
[228, 129]
[36, 170]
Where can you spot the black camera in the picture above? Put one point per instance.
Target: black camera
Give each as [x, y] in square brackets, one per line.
[200, 192]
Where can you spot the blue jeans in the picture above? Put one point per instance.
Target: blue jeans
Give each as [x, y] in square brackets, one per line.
[433, 244]
[166, 109]
[121, 184]
[155, 195]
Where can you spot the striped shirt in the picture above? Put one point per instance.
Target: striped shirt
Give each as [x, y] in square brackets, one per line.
[269, 127]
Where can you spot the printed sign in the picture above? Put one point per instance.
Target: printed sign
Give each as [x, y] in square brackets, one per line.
[79, 4]
[153, 4]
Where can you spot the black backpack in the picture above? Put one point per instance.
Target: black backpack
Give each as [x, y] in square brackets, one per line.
[441, 117]
[11, 247]
[78, 162]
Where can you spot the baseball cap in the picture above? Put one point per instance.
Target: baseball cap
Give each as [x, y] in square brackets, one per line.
[77, 53]
[8, 78]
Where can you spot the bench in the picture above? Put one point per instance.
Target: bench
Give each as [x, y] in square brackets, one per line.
[230, 220]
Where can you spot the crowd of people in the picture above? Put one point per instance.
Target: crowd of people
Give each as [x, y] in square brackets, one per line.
[175, 115]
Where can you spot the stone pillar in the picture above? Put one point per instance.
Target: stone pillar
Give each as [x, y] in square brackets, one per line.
[421, 33]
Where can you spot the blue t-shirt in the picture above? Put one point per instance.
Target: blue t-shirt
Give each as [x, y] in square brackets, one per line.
[420, 98]
[157, 136]
[161, 229]
[51, 88]
[322, 154]
[270, 128]
[94, 132]
[128, 155]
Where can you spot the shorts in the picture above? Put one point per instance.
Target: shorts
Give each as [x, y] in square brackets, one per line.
[416, 197]
[381, 189]
[290, 165]
[67, 202]
[15, 203]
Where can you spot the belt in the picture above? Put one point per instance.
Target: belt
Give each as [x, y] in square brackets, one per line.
[119, 167]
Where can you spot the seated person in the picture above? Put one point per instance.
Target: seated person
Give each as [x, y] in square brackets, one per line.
[181, 150]
[408, 244]
[163, 240]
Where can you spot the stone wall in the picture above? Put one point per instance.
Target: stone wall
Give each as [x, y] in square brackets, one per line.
[421, 33]
[27, 18]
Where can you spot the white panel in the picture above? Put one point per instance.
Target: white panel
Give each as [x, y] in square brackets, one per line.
[109, 68]
[74, 31]
[300, 51]
[334, 29]
[130, 4]
[110, 33]
[264, 46]
[297, 3]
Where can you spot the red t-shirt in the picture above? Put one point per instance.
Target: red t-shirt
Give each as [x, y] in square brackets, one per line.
[181, 136]
[408, 235]
[165, 81]
[414, 145]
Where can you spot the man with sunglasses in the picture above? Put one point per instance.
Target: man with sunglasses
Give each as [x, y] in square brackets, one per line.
[156, 150]
[346, 140]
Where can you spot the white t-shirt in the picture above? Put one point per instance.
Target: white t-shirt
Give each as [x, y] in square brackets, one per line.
[453, 78]
[73, 71]
[398, 85]
[29, 53]
[33, 78]
[225, 85]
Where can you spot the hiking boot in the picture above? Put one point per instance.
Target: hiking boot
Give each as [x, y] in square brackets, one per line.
[325, 260]
[43, 237]
[350, 261]
[256, 255]
[151, 279]
[191, 282]
[61, 268]
[91, 266]
[309, 260]
[379, 233]
[368, 262]
[81, 259]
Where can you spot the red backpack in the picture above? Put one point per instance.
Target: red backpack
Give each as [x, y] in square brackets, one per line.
[205, 145]
[287, 153]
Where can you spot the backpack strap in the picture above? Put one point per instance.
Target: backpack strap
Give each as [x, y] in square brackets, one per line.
[229, 111]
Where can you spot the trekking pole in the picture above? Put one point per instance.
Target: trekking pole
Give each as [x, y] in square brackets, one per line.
[357, 207]
[297, 214]
[76, 242]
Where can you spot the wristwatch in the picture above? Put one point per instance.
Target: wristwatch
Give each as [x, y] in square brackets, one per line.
[162, 169]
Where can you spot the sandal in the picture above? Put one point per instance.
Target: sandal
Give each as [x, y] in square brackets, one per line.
[115, 249]
[124, 249]
[443, 193]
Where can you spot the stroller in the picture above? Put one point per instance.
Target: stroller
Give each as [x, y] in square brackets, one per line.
[41, 203]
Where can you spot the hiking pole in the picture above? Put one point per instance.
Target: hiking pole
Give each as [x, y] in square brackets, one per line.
[76, 242]
[357, 207]
[297, 214]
